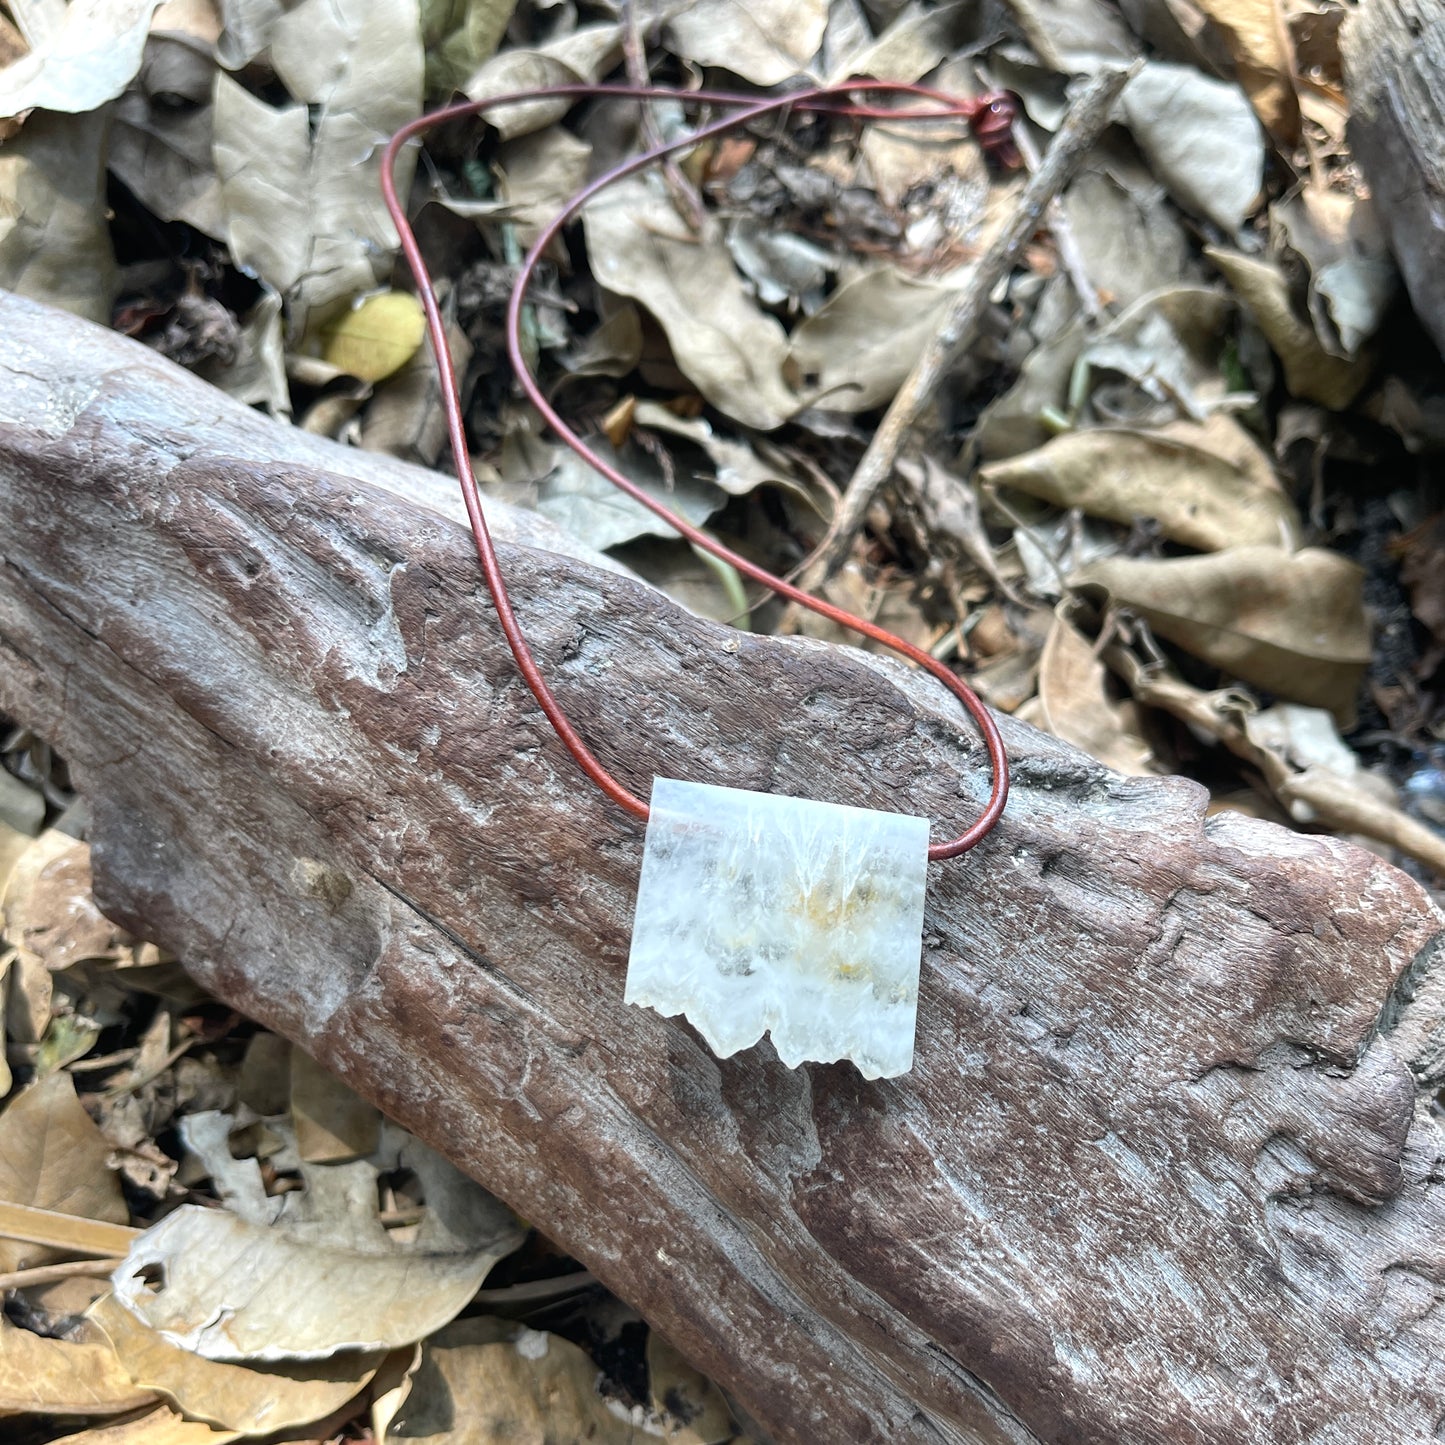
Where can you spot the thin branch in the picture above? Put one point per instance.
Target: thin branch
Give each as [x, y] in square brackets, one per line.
[1082, 126]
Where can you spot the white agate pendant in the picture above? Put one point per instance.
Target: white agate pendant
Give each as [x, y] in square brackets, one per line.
[757, 912]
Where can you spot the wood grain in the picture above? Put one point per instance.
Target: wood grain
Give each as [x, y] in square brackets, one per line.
[1168, 1167]
[1394, 56]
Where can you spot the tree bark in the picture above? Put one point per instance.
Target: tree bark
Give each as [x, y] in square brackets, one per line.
[1394, 55]
[1167, 1168]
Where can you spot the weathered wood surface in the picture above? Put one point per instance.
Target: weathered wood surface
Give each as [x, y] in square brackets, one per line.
[1167, 1168]
[1394, 54]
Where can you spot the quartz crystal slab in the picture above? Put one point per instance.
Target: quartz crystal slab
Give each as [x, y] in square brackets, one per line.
[757, 912]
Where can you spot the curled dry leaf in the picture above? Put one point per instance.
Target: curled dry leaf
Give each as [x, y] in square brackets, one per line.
[1310, 371]
[581, 55]
[1308, 780]
[1201, 138]
[1074, 703]
[726, 347]
[332, 1123]
[41, 1376]
[54, 243]
[1167, 342]
[1352, 278]
[765, 41]
[88, 58]
[1208, 486]
[1293, 623]
[235, 1397]
[914, 41]
[53, 1157]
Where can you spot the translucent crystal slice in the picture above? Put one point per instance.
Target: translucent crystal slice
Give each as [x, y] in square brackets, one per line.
[757, 912]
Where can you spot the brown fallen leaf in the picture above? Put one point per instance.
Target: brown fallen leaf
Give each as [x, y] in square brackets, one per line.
[54, 242]
[50, 908]
[1208, 486]
[42, 1376]
[251, 1400]
[52, 1156]
[690, 1406]
[160, 1427]
[1310, 371]
[1074, 703]
[486, 1379]
[332, 1123]
[1259, 40]
[725, 345]
[764, 41]
[1293, 623]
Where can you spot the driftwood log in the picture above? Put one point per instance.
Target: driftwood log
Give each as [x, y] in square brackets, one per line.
[1394, 55]
[1167, 1168]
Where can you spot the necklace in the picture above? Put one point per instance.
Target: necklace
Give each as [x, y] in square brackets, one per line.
[756, 912]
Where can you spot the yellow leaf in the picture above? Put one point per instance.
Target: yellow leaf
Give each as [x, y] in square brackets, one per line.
[378, 337]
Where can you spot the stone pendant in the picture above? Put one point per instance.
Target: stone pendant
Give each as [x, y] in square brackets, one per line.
[757, 912]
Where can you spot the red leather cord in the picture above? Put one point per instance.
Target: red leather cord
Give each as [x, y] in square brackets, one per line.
[991, 118]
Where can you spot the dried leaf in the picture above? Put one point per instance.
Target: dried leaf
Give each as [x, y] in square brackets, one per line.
[538, 175]
[161, 138]
[691, 1406]
[765, 41]
[915, 40]
[49, 906]
[390, 1388]
[1207, 486]
[1309, 370]
[233, 1397]
[160, 1427]
[1293, 623]
[63, 1377]
[303, 203]
[53, 1157]
[1074, 704]
[459, 35]
[332, 1123]
[583, 55]
[239, 1291]
[855, 353]
[1201, 138]
[54, 243]
[1074, 35]
[729, 349]
[508, 1382]
[1259, 42]
[1167, 342]
[1129, 237]
[1352, 278]
[88, 59]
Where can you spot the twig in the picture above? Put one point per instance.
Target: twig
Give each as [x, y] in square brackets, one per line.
[1082, 126]
[634, 54]
[1064, 238]
[53, 1273]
